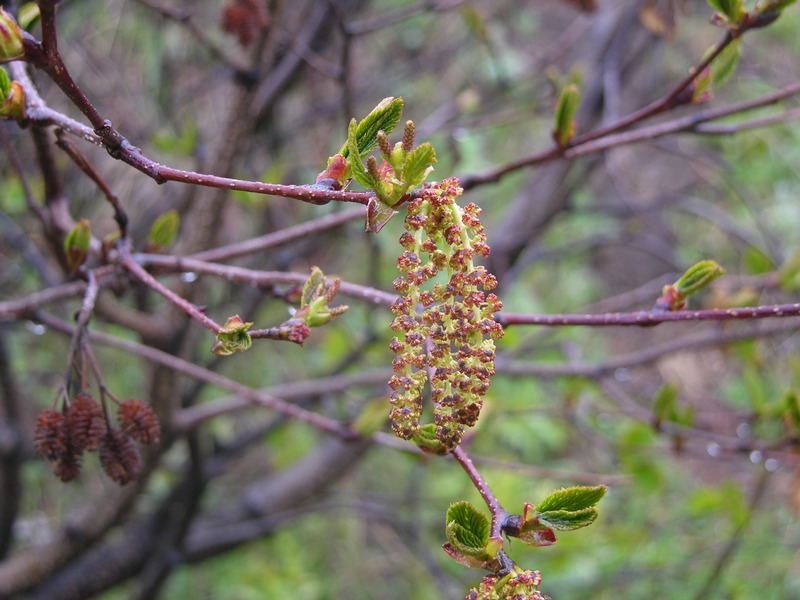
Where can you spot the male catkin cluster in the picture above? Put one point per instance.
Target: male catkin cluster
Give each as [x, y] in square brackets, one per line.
[446, 330]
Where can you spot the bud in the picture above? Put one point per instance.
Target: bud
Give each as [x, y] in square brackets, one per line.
[76, 245]
[564, 118]
[13, 106]
[232, 337]
[10, 38]
[119, 456]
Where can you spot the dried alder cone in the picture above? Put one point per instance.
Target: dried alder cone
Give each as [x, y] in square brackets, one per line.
[452, 334]
[61, 437]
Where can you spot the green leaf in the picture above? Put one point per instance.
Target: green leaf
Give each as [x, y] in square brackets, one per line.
[76, 245]
[575, 498]
[419, 164]
[732, 10]
[383, 117]
[468, 529]
[5, 83]
[164, 230]
[665, 404]
[697, 277]
[425, 438]
[725, 64]
[314, 301]
[567, 520]
[564, 119]
[28, 15]
[357, 168]
[772, 6]
[312, 287]
[791, 415]
[372, 417]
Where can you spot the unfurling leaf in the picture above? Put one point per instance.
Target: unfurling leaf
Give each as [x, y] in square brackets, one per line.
[731, 10]
[314, 310]
[425, 438]
[698, 276]
[164, 230]
[418, 165]
[76, 245]
[383, 117]
[467, 530]
[567, 520]
[28, 15]
[357, 169]
[232, 337]
[725, 64]
[574, 498]
[772, 6]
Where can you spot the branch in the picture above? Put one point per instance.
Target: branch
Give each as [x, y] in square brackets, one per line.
[189, 369]
[190, 309]
[642, 357]
[649, 318]
[499, 514]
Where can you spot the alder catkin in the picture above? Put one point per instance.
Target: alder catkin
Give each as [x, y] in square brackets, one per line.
[139, 421]
[119, 456]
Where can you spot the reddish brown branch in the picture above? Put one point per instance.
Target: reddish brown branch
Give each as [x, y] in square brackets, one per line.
[190, 309]
[644, 318]
[499, 514]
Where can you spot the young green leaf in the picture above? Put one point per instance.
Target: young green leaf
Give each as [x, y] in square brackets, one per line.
[791, 414]
[232, 337]
[468, 529]
[28, 15]
[665, 403]
[697, 277]
[564, 119]
[164, 230]
[419, 164]
[567, 520]
[353, 156]
[76, 245]
[312, 287]
[425, 438]
[725, 64]
[575, 498]
[5, 83]
[772, 6]
[383, 117]
[732, 10]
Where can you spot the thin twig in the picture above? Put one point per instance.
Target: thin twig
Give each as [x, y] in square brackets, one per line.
[649, 318]
[189, 369]
[499, 514]
[79, 159]
[190, 309]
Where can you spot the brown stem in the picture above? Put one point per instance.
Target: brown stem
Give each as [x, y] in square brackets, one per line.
[79, 159]
[645, 318]
[499, 514]
[255, 397]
